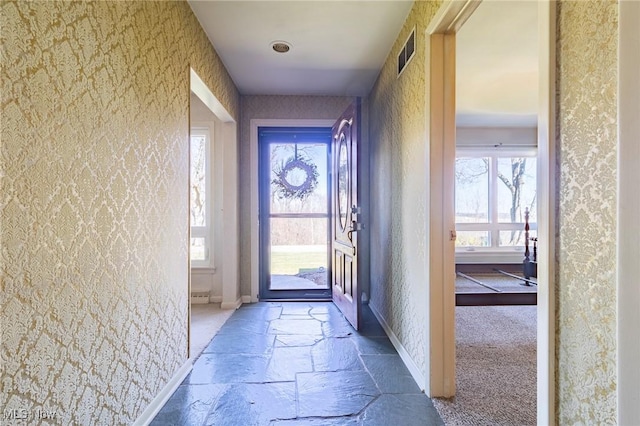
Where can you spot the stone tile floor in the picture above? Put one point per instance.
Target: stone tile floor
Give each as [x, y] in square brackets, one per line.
[298, 363]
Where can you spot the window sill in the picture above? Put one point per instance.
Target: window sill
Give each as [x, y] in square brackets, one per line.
[490, 256]
[203, 269]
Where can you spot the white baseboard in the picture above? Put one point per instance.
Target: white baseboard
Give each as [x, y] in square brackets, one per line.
[158, 402]
[231, 305]
[246, 299]
[404, 355]
[215, 299]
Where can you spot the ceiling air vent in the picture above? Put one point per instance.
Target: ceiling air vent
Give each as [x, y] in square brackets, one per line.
[407, 51]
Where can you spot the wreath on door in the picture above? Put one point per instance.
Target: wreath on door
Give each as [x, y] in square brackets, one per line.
[296, 178]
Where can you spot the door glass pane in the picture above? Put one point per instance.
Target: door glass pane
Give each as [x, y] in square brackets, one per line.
[516, 189]
[298, 176]
[472, 190]
[298, 253]
[343, 182]
[298, 242]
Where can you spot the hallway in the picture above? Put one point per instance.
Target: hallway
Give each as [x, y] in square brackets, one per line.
[298, 363]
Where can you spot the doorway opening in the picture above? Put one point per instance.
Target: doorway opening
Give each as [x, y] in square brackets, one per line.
[294, 212]
[496, 104]
[213, 232]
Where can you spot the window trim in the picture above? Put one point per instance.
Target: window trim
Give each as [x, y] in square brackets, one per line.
[493, 226]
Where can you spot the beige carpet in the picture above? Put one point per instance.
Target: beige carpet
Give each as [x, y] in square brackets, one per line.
[206, 321]
[496, 367]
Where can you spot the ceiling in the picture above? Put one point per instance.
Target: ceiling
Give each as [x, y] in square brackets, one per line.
[497, 65]
[339, 46]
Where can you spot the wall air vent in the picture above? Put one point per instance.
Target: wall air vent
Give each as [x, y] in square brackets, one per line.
[407, 51]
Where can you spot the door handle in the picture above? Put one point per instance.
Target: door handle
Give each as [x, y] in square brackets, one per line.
[355, 226]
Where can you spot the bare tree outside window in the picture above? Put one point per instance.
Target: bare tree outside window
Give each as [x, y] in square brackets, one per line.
[198, 180]
[477, 202]
[517, 177]
[472, 190]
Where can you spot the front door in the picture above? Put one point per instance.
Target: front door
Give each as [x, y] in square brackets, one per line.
[345, 212]
[294, 215]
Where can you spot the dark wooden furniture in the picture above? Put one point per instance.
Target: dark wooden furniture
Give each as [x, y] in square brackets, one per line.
[530, 263]
[496, 299]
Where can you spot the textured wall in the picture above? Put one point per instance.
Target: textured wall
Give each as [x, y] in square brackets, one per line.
[272, 107]
[94, 202]
[399, 221]
[586, 274]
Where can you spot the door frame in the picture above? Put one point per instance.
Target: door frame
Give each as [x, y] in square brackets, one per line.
[546, 322]
[628, 211]
[313, 137]
[440, 73]
[254, 191]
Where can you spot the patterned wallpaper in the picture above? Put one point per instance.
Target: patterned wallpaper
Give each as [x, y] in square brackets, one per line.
[94, 203]
[398, 203]
[272, 107]
[92, 170]
[587, 168]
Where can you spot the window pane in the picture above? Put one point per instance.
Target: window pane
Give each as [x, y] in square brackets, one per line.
[515, 238]
[298, 178]
[473, 239]
[472, 190]
[198, 249]
[198, 179]
[516, 189]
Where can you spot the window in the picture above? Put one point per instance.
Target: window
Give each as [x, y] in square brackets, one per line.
[492, 193]
[200, 197]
